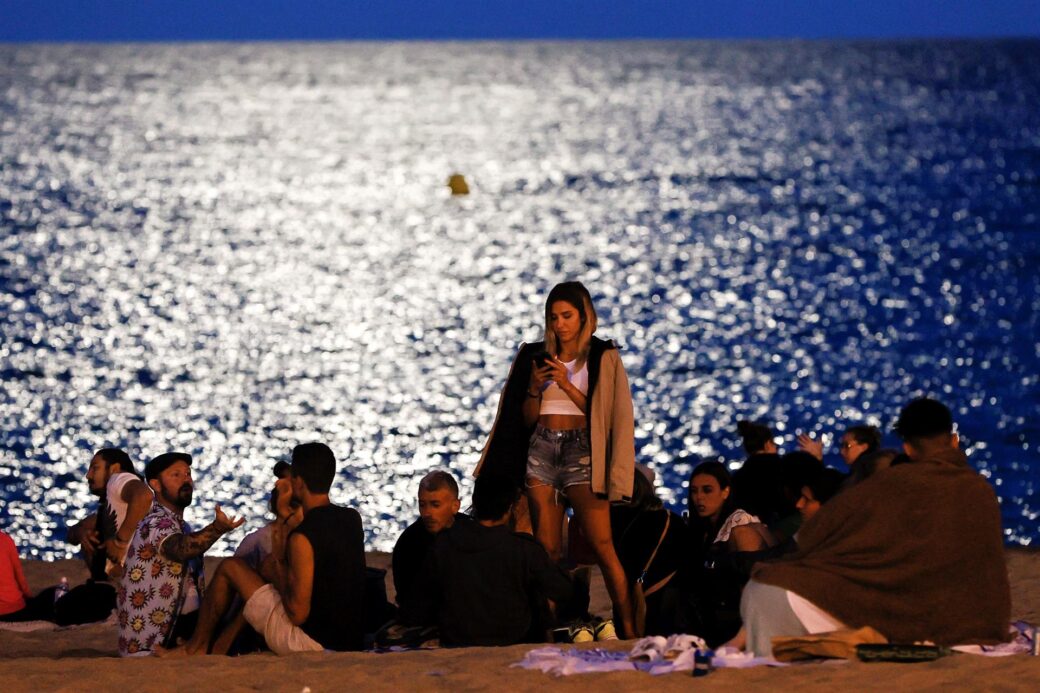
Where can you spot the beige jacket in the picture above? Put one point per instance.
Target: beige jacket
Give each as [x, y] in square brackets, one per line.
[610, 420]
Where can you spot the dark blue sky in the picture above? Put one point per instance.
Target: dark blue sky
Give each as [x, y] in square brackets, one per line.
[164, 20]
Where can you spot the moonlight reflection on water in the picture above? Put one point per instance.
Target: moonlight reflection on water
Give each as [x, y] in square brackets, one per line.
[229, 249]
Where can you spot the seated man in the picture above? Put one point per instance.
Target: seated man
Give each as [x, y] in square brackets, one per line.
[309, 595]
[162, 581]
[124, 501]
[438, 510]
[104, 536]
[485, 585]
[916, 553]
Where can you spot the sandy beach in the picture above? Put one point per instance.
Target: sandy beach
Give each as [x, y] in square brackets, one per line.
[84, 657]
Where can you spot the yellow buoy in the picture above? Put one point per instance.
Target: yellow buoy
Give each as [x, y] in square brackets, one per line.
[457, 183]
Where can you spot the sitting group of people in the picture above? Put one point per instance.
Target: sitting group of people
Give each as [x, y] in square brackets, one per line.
[909, 543]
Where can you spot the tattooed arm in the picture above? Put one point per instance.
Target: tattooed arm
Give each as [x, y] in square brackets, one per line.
[184, 547]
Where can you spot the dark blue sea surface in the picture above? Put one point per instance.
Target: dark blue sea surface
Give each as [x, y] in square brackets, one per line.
[228, 249]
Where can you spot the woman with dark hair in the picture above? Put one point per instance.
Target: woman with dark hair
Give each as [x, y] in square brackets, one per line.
[718, 530]
[756, 485]
[565, 427]
[714, 516]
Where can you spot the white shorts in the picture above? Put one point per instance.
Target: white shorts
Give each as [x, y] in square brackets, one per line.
[266, 614]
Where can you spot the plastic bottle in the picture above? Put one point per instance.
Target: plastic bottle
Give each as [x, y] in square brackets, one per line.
[61, 590]
[702, 662]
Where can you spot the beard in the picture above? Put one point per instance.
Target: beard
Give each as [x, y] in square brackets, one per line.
[182, 498]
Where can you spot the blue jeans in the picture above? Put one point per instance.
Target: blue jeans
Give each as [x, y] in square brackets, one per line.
[559, 458]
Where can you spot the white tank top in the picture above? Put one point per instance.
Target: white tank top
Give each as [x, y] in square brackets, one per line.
[556, 401]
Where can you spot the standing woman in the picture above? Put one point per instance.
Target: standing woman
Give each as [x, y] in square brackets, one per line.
[565, 426]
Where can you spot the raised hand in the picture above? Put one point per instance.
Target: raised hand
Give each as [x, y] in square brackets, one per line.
[811, 446]
[557, 372]
[225, 523]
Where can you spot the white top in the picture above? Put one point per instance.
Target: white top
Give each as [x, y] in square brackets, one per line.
[736, 519]
[116, 509]
[556, 401]
[256, 547]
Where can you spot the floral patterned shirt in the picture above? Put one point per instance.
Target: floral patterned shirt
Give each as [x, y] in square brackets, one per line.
[152, 589]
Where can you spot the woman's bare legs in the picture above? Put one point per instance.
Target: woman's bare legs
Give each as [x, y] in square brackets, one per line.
[593, 513]
[547, 517]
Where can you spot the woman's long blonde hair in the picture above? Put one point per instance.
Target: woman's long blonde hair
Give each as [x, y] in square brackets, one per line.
[578, 296]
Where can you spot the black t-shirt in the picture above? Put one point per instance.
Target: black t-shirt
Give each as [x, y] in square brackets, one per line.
[336, 618]
[409, 554]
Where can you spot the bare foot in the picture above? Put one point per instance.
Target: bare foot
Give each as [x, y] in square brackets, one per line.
[173, 652]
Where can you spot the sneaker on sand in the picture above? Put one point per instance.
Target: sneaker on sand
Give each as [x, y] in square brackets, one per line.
[604, 630]
[581, 633]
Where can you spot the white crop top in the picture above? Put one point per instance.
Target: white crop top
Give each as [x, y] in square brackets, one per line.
[556, 401]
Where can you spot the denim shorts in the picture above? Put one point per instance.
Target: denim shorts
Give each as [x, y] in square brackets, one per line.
[559, 458]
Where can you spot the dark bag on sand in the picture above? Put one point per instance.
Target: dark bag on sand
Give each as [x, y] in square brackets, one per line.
[641, 592]
[378, 609]
[86, 603]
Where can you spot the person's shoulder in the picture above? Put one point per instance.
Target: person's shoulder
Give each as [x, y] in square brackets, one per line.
[411, 534]
[741, 517]
[530, 348]
[162, 522]
[116, 483]
[527, 542]
[342, 512]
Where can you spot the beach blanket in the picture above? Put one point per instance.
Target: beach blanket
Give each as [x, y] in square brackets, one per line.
[1021, 642]
[654, 655]
[915, 551]
[657, 655]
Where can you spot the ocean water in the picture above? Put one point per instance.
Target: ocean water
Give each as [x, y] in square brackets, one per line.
[231, 248]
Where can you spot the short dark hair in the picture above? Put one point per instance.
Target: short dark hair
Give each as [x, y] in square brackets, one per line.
[865, 435]
[281, 469]
[315, 464]
[160, 464]
[825, 483]
[755, 435]
[924, 419]
[493, 495]
[117, 456]
[437, 480]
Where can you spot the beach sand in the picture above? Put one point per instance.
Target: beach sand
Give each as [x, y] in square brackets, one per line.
[84, 657]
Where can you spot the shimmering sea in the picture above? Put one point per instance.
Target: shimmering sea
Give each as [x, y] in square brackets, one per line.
[231, 248]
